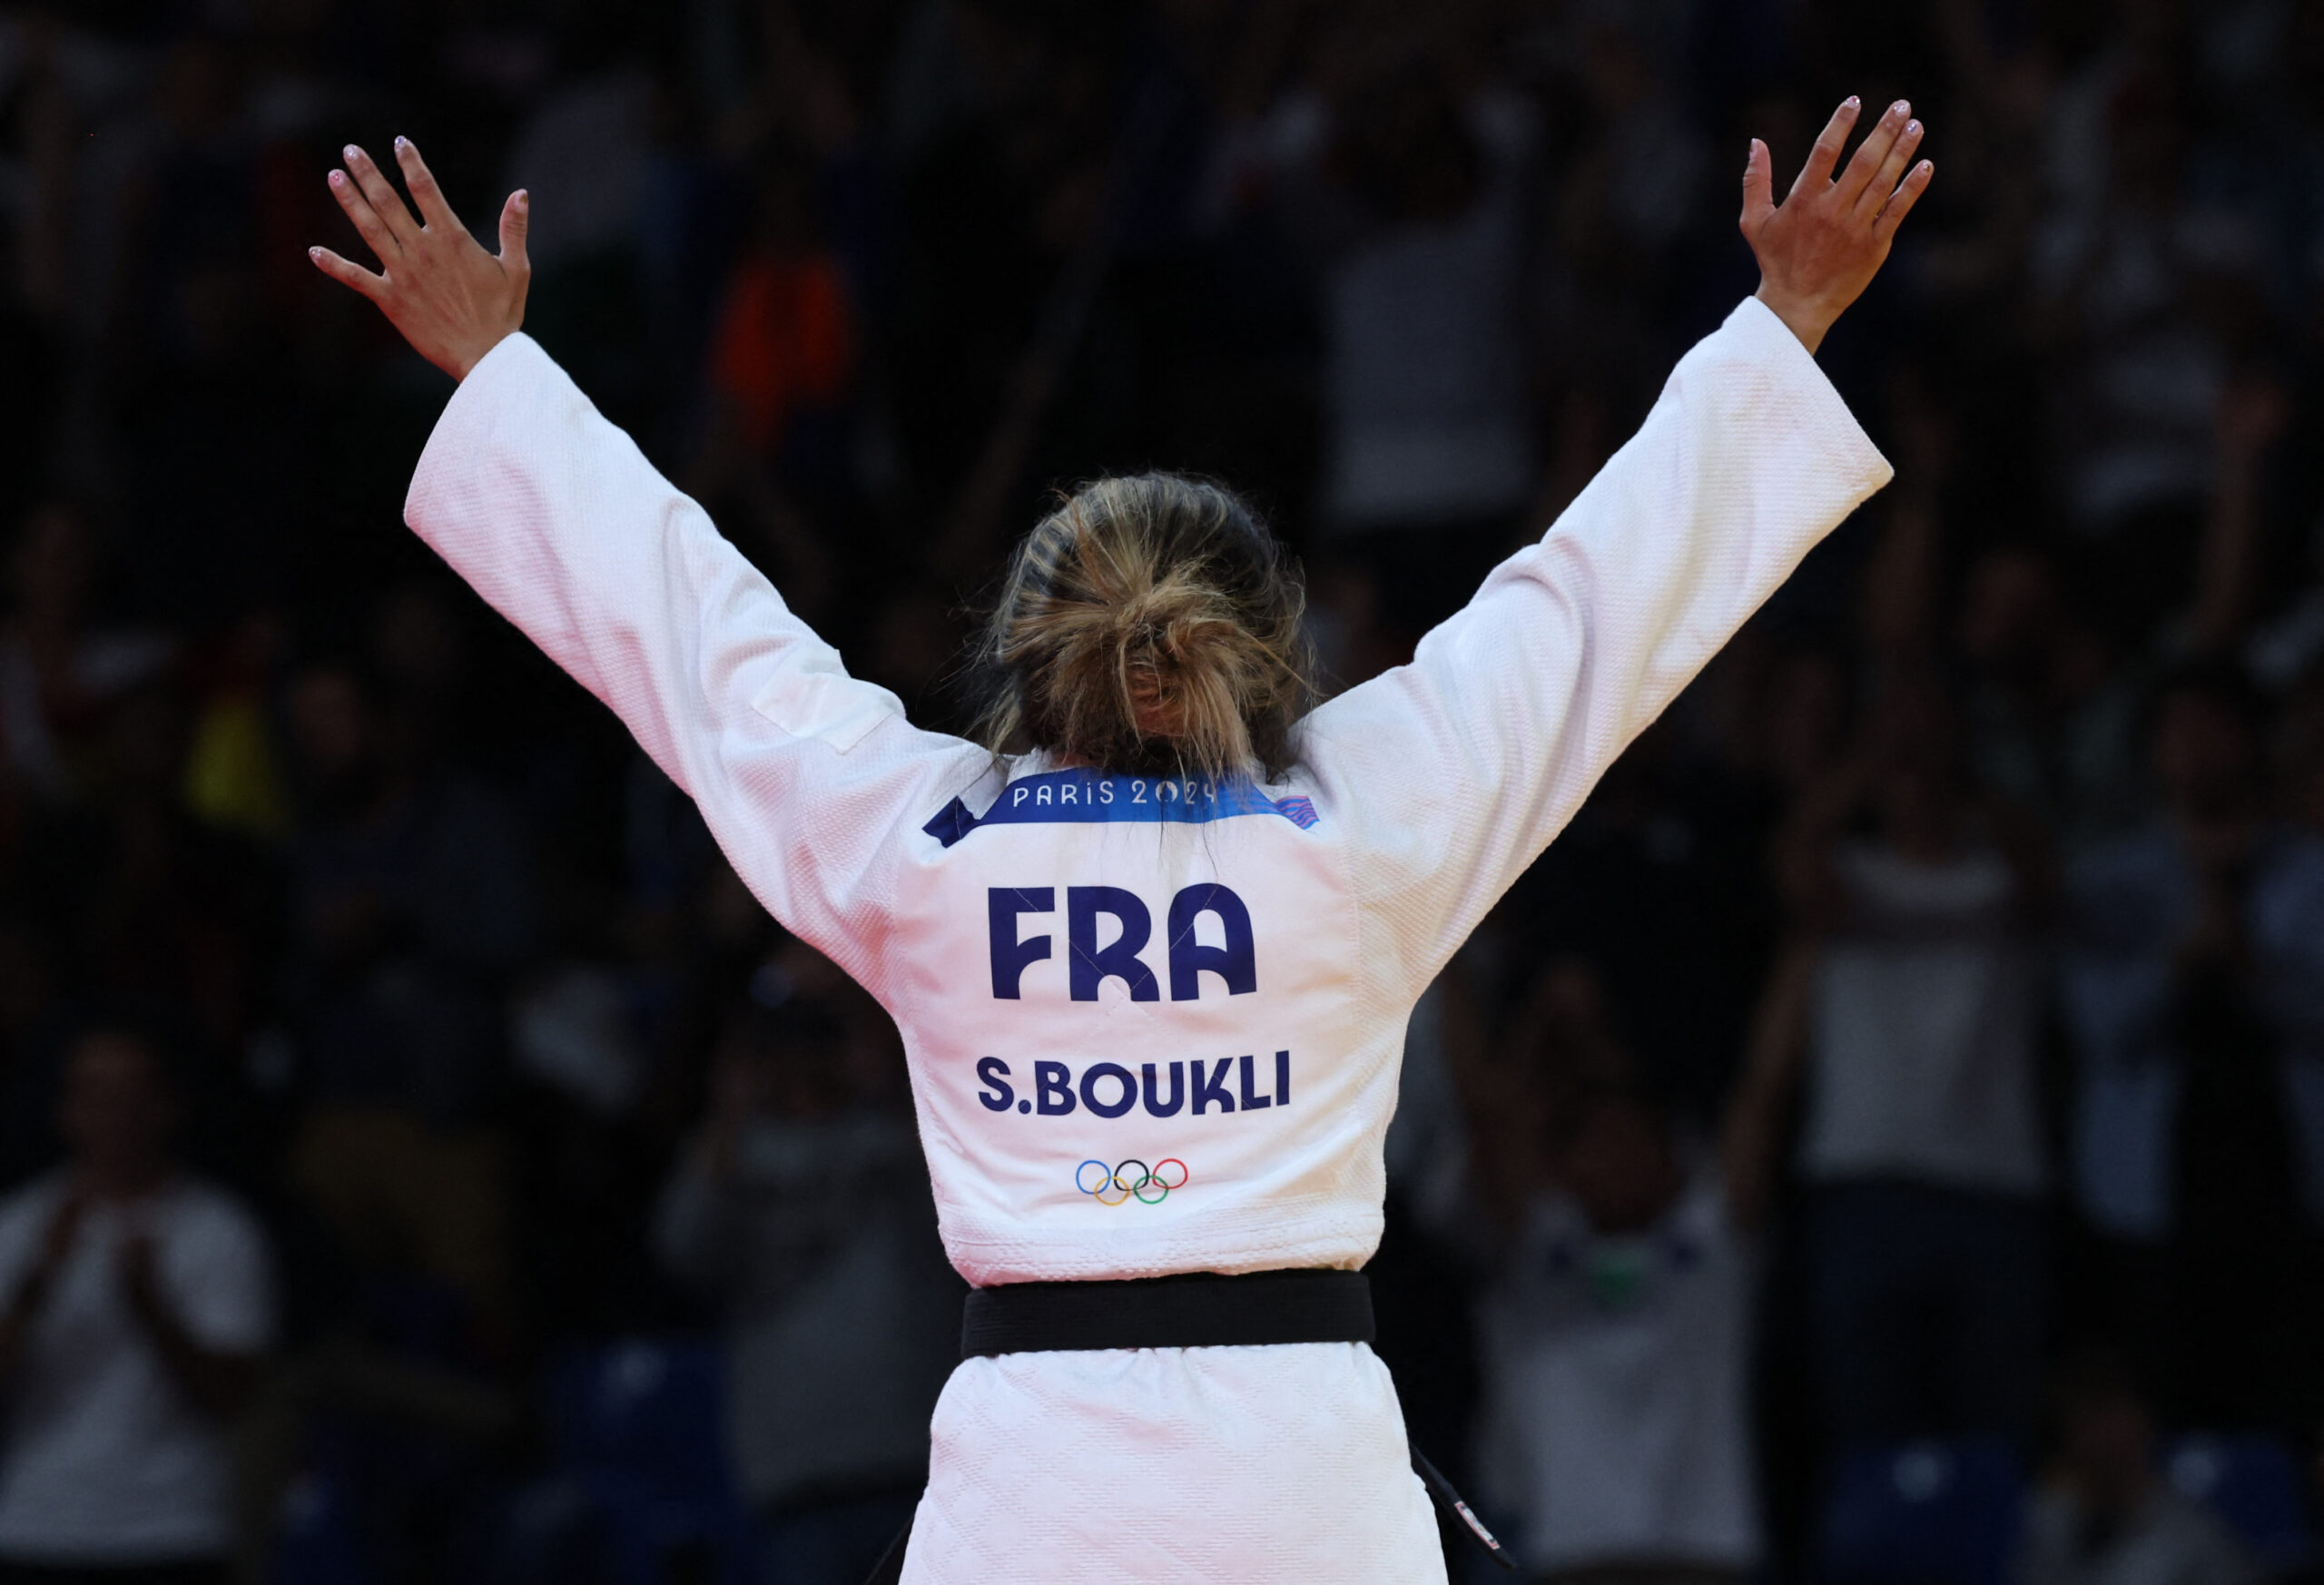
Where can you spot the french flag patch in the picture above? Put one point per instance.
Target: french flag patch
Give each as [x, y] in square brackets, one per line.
[1298, 808]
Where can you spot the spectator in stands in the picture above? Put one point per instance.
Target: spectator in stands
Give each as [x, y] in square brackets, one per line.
[137, 1314]
[58, 666]
[2103, 1515]
[1912, 1003]
[2056, 670]
[158, 905]
[2182, 1166]
[1661, 882]
[412, 903]
[1615, 1338]
[782, 355]
[1628, 184]
[804, 1209]
[1428, 433]
[2052, 718]
[2140, 280]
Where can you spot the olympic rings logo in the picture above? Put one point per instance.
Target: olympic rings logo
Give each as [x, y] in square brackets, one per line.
[1132, 1180]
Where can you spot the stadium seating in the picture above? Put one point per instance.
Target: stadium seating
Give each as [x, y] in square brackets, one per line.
[1922, 1514]
[637, 1427]
[2252, 1482]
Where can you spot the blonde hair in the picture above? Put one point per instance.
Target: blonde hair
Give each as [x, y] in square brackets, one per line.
[1152, 624]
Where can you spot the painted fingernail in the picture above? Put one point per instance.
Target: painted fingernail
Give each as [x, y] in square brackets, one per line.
[1900, 107]
[1850, 103]
[524, 200]
[339, 178]
[316, 254]
[1912, 127]
[402, 142]
[351, 153]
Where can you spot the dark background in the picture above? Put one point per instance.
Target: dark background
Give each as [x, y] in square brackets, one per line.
[869, 277]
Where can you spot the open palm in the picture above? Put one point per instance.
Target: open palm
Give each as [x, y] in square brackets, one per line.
[1820, 248]
[453, 301]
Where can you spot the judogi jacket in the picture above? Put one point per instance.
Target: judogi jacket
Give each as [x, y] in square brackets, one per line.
[1153, 1026]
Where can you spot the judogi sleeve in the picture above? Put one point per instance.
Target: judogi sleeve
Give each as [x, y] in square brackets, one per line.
[1454, 772]
[802, 772]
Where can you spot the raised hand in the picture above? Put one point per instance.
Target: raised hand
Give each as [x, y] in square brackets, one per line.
[453, 301]
[1820, 248]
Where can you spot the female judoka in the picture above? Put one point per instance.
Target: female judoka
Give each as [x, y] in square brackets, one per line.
[1153, 944]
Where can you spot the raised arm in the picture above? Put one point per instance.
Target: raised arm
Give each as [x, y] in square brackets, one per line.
[1455, 772]
[553, 514]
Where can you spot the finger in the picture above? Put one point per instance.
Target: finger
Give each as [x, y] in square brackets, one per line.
[348, 274]
[1758, 188]
[1883, 185]
[1825, 154]
[385, 202]
[1900, 202]
[374, 230]
[433, 210]
[515, 219]
[1870, 153]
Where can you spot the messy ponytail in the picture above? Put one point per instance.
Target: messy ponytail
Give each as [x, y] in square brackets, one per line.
[1150, 625]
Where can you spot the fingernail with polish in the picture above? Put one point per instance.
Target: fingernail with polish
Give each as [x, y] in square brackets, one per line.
[1850, 103]
[402, 142]
[339, 178]
[1899, 107]
[523, 199]
[351, 153]
[1912, 127]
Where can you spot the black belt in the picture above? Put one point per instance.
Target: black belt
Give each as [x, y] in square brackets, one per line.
[1195, 1309]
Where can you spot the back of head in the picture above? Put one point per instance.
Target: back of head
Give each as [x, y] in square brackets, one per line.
[1151, 625]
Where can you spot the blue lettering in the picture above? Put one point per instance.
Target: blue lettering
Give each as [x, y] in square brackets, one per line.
[993, 1071]
[1212, 1087]
[1283, 1079]
[1009, 955]
[1109, 1070]
[1252, 1100]
[1234, 962]
[1053, 1085]
[1091, 966]
[1154, 1106]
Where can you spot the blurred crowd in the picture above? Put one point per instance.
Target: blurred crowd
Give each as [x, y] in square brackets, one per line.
[1882, 1140]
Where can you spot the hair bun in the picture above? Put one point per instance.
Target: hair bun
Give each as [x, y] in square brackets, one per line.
[1151, 624]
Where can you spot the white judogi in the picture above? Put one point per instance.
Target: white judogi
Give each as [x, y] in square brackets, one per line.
[1152, 1028]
